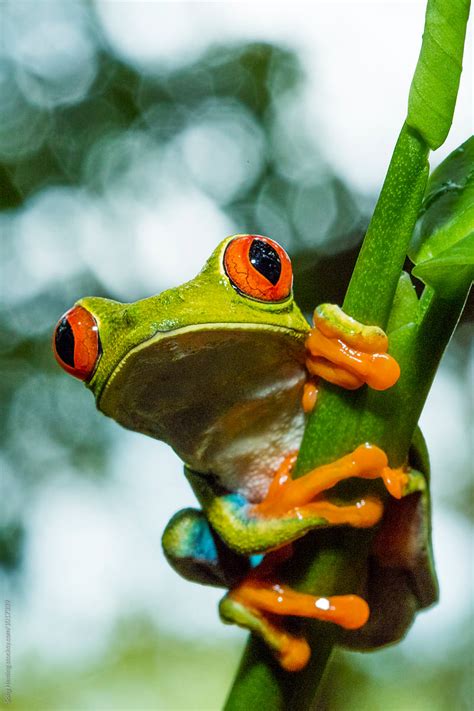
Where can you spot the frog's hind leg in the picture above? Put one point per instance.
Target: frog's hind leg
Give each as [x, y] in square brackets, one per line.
[258, 608]
[262, 606]
[291, 650]
[401, 575]
[303, 495]
[291, 507]
[196, 553]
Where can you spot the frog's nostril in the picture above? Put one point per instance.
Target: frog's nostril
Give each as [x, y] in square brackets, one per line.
[76, 343]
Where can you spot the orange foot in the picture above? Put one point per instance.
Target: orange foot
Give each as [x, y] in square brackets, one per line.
[347, 353]
[302, 496]
[348, 611]
[265, 602]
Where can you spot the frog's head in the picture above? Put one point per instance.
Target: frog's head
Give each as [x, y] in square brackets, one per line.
[245, 286]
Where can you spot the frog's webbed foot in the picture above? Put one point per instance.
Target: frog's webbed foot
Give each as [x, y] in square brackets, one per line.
[262, 608]
[261, 605]
[347, 353]
[292, 650]
[302, 496]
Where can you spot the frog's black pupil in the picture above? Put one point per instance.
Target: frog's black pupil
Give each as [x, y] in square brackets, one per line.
[265, 259]
[64, 341]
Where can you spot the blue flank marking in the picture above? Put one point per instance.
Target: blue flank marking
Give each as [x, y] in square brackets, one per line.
[239, 504]
[199, 543]
[203, 545]
[236, 501]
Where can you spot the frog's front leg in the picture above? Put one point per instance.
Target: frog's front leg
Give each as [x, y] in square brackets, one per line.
[347, 353]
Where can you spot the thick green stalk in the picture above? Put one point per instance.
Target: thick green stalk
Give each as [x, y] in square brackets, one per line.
[372, 287]
[334, 426]
[331, 562]
[333, 430]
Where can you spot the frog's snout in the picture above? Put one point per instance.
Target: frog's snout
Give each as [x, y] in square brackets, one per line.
[76, 343]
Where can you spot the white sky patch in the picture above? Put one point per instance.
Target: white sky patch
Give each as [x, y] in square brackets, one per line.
[447, 436]
[53, 48]
[153, 491]
[223, 149]
[359, 59]
[152, 34]
[174, 240]
[152, 229]
[156, 227]
[94, 553]
[35, 249]
[73, 571]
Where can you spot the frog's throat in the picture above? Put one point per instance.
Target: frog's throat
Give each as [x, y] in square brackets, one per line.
[297, 336]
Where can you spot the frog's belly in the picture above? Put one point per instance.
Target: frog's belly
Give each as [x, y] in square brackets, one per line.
[227, 401]
[244, 448]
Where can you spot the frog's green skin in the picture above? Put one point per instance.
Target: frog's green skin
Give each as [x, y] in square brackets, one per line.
[219, 377]
[213, 373]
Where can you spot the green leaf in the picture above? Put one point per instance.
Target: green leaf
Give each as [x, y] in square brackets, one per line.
[442, 245]
[452, 270]
[405, 305]
[435, 83]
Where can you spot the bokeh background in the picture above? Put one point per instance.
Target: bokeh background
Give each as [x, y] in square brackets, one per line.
[133, 137]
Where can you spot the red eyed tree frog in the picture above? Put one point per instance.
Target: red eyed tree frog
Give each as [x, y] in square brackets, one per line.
[223, 369]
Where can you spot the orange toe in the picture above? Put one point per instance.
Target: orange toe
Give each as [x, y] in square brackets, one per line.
[294, 653]
[395, 481]
[350, 611]
[310, 395]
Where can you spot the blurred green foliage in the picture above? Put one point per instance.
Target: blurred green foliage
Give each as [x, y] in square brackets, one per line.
[48, 423]
[53, 415]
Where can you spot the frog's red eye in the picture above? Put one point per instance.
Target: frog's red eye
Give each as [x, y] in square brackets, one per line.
[76, 343]
[258, 267]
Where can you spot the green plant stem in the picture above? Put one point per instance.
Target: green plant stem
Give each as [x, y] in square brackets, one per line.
[332, 430]
[333, 427]
[341, 421]
[337, 557]
[435, 83]
[330, 562]
[372, 287]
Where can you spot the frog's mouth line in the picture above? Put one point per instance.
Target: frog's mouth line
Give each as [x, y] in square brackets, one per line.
[300, 335]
